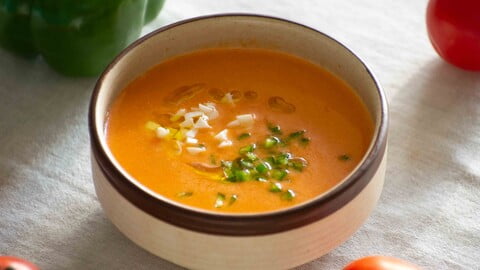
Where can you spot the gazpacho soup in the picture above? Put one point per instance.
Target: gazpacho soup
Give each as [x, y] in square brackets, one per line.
[238, 130]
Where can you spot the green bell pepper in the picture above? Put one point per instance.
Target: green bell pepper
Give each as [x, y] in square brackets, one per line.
[153, 8]
[77, 38]
[15, 32]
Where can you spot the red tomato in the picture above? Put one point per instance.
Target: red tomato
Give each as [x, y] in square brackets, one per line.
[454, 30]
[13, 263]
[380, 263]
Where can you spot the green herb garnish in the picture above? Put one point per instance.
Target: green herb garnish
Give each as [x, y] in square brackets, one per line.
[275, 129]
[298, 163]
[242, 175]
[275, 187]
[227, 170]
[300, 136]
[226, 164]
[304, 141]
[244, 136]
[266, 164]
[295, 134]
[344, 157]
[229, 174]
[271, 142]
[288, 195]
[245, 163]
[233, 199]
[251, 156]
[239, 170]
[220, 201]
[283, 158]
[263, 167]
[270, 160]
[278, 174]
[247, 149]
[184, 194]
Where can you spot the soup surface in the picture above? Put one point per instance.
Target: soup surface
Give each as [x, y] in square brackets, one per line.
[238, 130]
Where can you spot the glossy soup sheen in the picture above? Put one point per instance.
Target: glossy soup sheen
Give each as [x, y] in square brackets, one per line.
[336, 121]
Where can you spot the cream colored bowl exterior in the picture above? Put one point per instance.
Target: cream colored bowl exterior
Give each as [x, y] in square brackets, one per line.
[206, 251]
[209, 251]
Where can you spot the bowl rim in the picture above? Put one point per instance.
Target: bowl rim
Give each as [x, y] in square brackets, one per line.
[233, 224]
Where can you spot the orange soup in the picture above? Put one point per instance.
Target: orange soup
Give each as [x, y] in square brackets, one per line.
[238, 130]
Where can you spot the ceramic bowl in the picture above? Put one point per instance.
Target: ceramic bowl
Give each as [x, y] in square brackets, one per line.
[201, 239]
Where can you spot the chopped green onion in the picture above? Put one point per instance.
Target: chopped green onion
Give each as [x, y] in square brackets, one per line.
[226, 164]
[298, 163]
[233, 199]
[295, 134]
[227, 170]
[275, 187]
[275, 129]
[271, 142]
[304, 141]
[263, 167]
[283, 158]
[274, 166]
[247, 149]
[270, 160]
[288, 195]
[251, 156]
[278, 174]
[220, 201]
[229, 175]
[261, 179]
[244, 136]
[344, 157]
[184, 194]
[237, 163]
[245, 163]
[242, 175]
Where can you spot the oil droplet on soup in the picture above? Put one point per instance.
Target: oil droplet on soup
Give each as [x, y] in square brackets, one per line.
[238, 130]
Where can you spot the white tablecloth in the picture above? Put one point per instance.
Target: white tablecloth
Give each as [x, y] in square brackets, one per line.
[429, 212]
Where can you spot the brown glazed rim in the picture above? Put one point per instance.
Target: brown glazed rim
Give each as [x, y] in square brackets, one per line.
[242, 224]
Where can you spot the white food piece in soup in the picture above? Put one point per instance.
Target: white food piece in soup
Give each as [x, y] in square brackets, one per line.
[246, 120]
[222, 135]
[193, 114]
[201, 123]
[225, 144]
[195, 150]
[162, 132]
[187, 123]
[191, 133]
[205, 109]
[234, 123]
[180, 112]
[191, 140]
